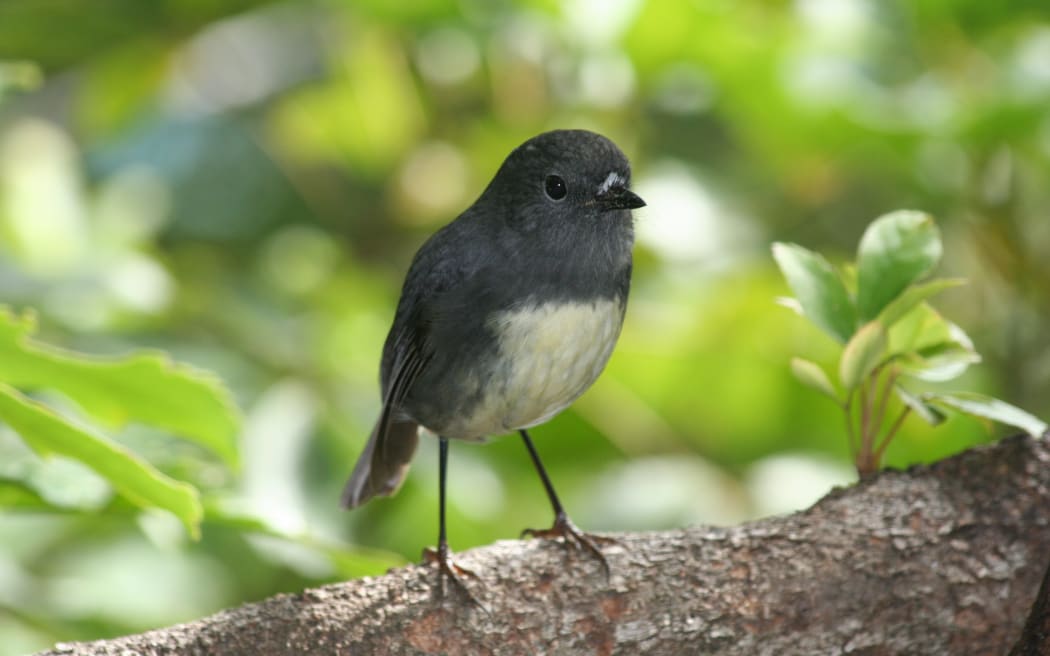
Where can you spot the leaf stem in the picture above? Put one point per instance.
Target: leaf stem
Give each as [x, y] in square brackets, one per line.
[867, 436]
[893, 431]
[848, 407]
[887, 388]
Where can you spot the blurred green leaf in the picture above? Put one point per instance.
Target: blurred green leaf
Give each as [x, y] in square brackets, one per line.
[939, 363]
[813, 376]
[895, 251]
[921, 328]
[102, 26]
[17, 495]
[818, 288]
[914, 295]
[862, 354]
[929, 413]
[350, 561]
[987, 407]
[144, 387]
[47, 434]
[791, 303]
[929, 347]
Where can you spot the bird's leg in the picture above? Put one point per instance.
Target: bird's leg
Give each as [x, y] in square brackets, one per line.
[563, 526]
[442, 556]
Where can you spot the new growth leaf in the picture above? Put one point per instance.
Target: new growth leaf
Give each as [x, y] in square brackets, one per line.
[889, 334]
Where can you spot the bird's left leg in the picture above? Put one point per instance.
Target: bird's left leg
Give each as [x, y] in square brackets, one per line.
[563, 526]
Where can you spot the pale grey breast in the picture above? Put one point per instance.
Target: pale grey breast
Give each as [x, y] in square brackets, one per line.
[549, 355]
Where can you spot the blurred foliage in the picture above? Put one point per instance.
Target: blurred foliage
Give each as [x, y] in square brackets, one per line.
[242, 185]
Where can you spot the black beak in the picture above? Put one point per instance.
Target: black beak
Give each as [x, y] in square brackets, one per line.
[619, 198]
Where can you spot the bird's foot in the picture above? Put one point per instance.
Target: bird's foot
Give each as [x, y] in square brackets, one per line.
[572, 536]
[450, 571]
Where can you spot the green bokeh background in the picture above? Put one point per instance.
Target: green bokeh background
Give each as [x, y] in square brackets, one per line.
[244, 183]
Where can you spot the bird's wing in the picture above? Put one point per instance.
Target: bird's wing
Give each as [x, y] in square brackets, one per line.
[443, 282]
[383, 464]
[410, 355]
[435, 276]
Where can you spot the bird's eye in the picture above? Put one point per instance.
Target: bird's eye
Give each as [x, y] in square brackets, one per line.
[555, 187]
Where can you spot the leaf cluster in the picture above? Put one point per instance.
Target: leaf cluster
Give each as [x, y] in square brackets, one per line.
[878, 310]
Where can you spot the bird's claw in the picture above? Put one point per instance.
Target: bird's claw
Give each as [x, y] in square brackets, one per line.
[572, 536]
[449, 570]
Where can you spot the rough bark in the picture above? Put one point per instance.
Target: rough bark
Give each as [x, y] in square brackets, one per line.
[944, 559]
[1035, 638]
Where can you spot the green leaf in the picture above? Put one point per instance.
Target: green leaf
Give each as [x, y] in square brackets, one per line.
[914, 295]
[896, 250]
[19, 496]
[818, 288]
[812, 375]
[924, 328]
[929, 347]
[791, 303]
[350, 561]
[146, 387]
[862, 354]
[939, 363]
[930, 414]
[987, 407]
[133, 478]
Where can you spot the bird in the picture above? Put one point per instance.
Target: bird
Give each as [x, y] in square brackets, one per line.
[507, 315]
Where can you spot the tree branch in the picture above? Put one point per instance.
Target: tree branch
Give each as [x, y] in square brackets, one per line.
[1035, 638]
[944, 559]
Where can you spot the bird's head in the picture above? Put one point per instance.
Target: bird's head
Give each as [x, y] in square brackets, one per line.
[563, 178]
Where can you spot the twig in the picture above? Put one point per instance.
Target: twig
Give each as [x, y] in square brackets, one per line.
[864, 467]
[854, 446]
[887, 387]
[889, 436]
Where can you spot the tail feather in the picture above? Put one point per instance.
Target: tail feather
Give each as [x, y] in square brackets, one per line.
[382, 466]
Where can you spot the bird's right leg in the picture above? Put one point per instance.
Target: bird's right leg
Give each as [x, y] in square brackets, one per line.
[442, 556]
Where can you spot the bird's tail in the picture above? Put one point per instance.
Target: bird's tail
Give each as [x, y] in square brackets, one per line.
[382, 466]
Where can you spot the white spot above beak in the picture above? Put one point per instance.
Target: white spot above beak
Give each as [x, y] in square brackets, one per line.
[611, 180]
